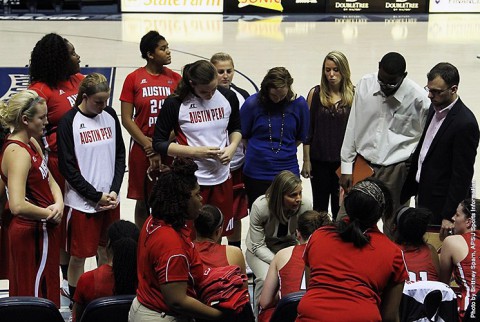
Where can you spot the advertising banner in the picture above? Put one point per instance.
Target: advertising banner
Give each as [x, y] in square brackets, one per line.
[449, 6]
[376, 6]
[274, 6]
[163, 6]
[16, 79]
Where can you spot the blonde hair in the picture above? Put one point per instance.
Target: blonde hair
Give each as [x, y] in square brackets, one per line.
[22, 103]
[218, 57]
[283, 184]
[92, 84]
[346, 87]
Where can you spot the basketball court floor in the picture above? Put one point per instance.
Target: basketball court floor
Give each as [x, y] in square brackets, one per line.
[258, 43]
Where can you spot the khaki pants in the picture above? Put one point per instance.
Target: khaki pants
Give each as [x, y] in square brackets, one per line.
[140, 313]
[259, 269]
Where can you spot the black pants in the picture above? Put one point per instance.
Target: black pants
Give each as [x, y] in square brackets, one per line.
[255, 188]
[325, 186]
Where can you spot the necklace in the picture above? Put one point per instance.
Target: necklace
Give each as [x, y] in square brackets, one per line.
[276, 150]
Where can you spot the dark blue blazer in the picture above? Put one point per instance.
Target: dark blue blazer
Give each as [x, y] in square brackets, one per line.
[447, 170]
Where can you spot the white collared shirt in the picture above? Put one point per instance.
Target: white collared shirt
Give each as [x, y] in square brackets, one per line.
[384, 130]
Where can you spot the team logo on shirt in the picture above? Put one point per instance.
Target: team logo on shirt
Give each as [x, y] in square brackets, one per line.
[95, 135]
[207, 115]
[43, 169]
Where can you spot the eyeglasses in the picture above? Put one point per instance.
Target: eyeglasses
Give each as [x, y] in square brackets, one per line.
[436, 92]
[389, 86]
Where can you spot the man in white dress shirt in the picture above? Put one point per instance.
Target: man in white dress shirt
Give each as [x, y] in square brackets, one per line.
[385, 124]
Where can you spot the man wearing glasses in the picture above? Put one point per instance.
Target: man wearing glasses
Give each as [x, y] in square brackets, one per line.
[442, 164]
[385, 125]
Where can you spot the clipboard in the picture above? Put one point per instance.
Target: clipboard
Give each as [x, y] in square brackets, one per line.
[361, 170]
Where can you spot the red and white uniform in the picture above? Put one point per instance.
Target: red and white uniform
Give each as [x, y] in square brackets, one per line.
[212, 254]
[346, 284]
[94, 284]
[59, 101]
[147, 93]
[34, 245]
[165, 255]
[419, 264]
[92, 160]
[198, 123]
[463, 272]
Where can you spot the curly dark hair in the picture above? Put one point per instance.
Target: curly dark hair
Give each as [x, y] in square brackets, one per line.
[123, 238]
[50, 61]
[172, 191]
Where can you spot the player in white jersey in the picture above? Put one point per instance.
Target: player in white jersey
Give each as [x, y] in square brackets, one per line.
[92, 160]
[223, 62]
[206, 122]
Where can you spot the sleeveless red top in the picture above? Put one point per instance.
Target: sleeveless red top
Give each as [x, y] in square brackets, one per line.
[292, 275]
[37, 190]
[212, 254]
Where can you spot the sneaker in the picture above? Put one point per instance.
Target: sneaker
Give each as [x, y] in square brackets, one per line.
[64, 290]
[248, 270]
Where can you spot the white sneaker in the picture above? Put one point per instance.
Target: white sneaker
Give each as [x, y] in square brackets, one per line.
[248, 270]
[64, 290]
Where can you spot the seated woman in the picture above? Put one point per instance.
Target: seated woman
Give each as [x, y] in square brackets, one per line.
[168, 264]
[458, 253]
[287, 269]
[118, 276]
[209, 228]
[420, 257]
[354, 272]
[273, 222]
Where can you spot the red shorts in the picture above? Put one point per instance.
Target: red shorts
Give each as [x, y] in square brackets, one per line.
[55, 170]
[34, 259]
[86, 231]
[221, 196]
[240, 201]
[138, 164]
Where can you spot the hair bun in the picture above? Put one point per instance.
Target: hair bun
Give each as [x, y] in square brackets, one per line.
[184, 166]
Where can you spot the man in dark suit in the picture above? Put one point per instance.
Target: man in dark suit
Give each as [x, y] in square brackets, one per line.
[442, 164]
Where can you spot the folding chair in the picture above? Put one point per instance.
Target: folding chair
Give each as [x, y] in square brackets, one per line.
[108, 309]
[29, 309]
[286, 310]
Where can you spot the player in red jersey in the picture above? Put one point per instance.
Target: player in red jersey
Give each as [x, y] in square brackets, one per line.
[209, 228]
[363, 278]
[460, 253]
[168, 263]
[55, 76]
[118, 276]
[34, 198]
[421, 258]
[143, 93]
[286, 273]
